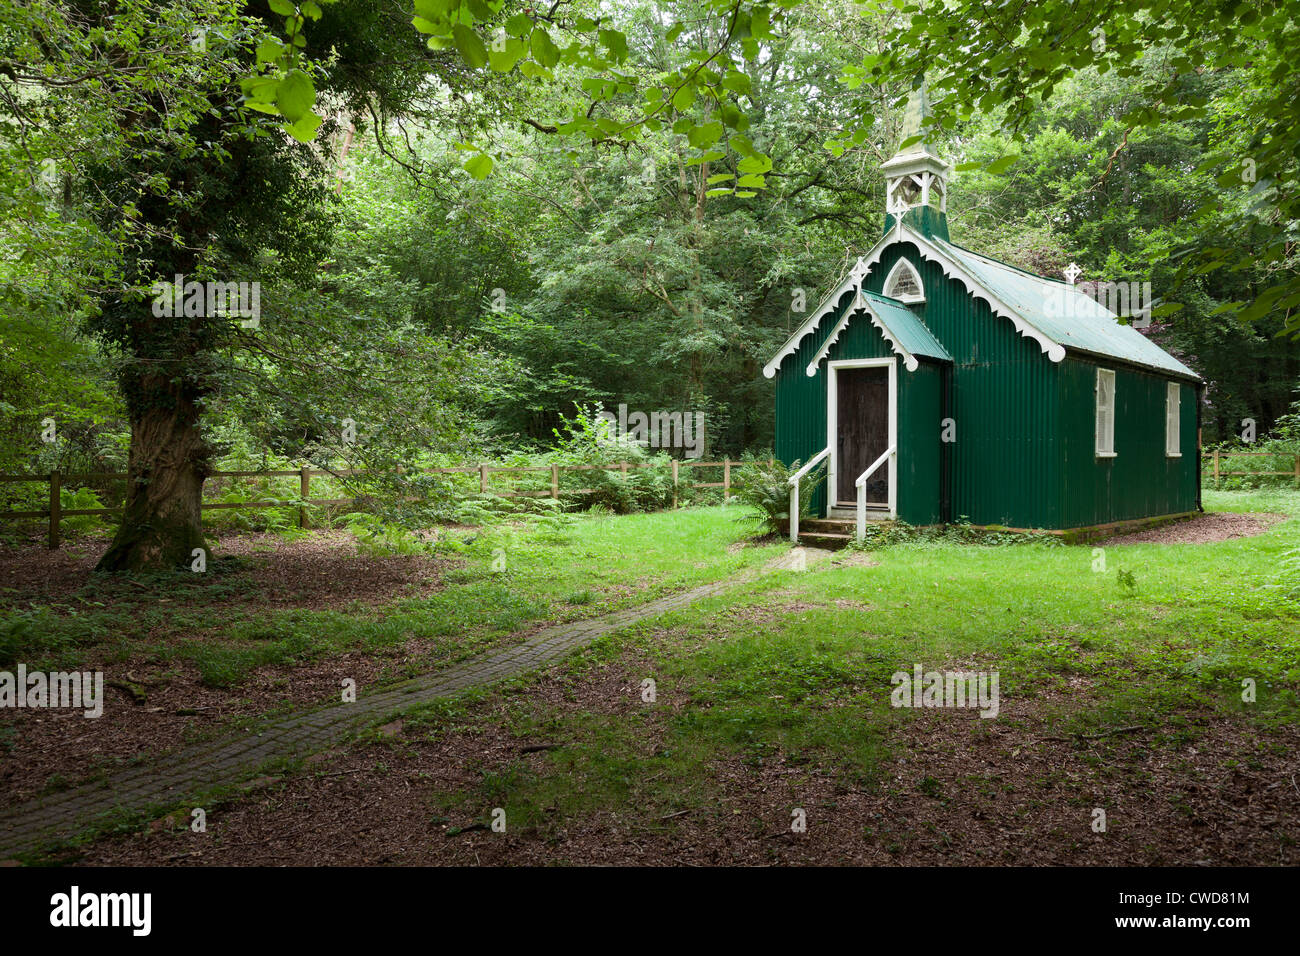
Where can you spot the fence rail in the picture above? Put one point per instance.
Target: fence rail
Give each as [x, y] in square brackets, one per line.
[56, 513]
[1218, 456]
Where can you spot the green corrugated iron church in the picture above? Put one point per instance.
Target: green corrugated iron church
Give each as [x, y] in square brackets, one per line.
[981, 392]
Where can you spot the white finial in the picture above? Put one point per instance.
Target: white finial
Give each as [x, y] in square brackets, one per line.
[1072, 272]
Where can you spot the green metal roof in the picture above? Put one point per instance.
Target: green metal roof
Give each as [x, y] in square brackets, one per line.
[904, 327]
[1062, 313]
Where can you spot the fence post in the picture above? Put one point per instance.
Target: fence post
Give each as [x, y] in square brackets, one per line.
[304, 492]
[675, 463]
[56, 507]
[726, 480]
[622, 466]
[555, 482]
[1297, 471]
[482, 479]
[1216, 468]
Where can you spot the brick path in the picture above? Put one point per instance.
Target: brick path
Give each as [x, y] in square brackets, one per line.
[165, 781]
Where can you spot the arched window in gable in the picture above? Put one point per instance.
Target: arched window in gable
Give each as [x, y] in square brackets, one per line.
[904, 283]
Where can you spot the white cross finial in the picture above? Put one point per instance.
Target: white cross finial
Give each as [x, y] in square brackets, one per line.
[899, 208]
[1072, 272]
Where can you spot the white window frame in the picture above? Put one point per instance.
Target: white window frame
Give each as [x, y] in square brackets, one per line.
[901, 264]
[1173, 420]
[1104, 427]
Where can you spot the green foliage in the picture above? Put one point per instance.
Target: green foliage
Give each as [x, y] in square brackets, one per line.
[1126, 581]
[763, 483]
[79, 499]
[588, 440]
[886, 534]
[377, 537]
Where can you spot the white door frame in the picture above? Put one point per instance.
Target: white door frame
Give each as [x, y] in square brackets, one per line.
[832, 414]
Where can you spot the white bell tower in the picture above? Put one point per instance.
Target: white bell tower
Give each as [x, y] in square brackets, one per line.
[916, 178]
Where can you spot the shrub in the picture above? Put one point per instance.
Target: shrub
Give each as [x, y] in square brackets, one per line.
[764, 484]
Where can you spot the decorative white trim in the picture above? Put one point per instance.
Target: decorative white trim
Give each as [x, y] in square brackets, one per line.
[852, 280]
[860, 306]
[840, 326]
[908, 358]
[1051, 348]
[901, 264]
[832, 413]
[903, 232]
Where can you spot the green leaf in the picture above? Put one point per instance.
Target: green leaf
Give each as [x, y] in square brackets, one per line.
[1002, 164]
[742, 145]
[706, 134]
[615, 42]
[505, 60]
[544, 49]
[305, 129]
[736, 81]
[282, 7]
[479, 166]
[295, 95]
[269, 50]
[684, 98]
[734, 118]
[470, 46]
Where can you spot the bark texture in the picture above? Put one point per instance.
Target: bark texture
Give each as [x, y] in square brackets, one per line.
[161, 524]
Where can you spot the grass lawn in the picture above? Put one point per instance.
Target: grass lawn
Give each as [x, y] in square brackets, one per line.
[1121, 670]
[486, 586]
[796, 670]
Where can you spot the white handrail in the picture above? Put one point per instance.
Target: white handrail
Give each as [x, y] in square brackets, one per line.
[794, 490]
[862, 489]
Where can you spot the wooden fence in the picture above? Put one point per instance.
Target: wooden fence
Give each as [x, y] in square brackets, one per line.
[1218, 457]
[55, 513]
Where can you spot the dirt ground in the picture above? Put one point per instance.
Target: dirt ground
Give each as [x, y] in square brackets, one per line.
[957, 790]
[320, 570]
[1204, 528]
[1009, 792]
[154, 706]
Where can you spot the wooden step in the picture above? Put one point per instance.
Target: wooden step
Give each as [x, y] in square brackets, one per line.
[824, 539]
[834, 525]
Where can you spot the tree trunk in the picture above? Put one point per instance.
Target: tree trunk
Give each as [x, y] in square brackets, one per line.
[161, 524]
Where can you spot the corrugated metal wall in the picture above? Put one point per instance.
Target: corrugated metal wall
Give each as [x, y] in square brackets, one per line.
[801, 413]
[1005, 461]
[1024, 450]
[1140, 481]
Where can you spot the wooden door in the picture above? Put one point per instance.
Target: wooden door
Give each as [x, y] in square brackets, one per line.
[862, 425]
